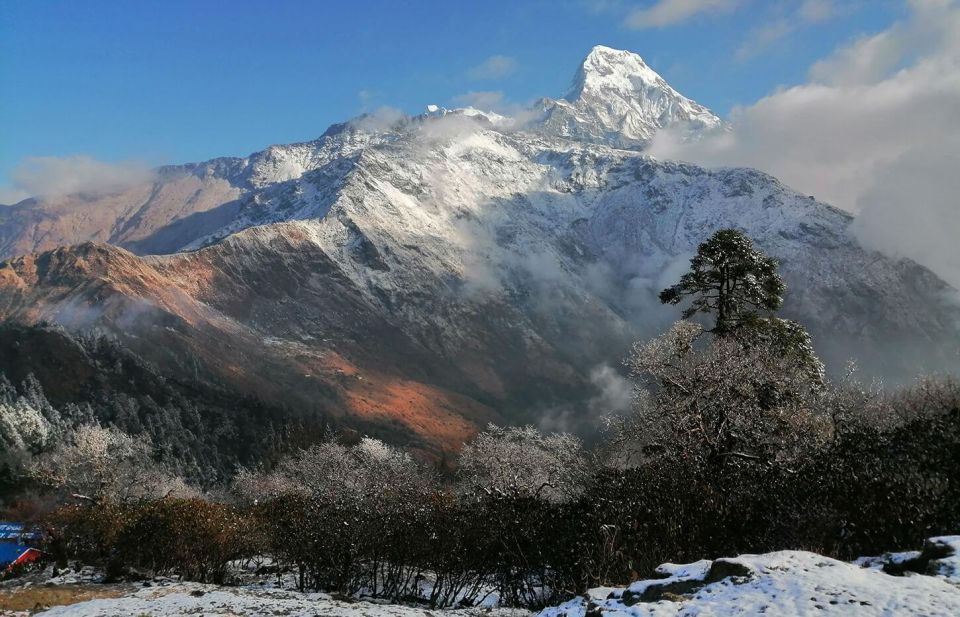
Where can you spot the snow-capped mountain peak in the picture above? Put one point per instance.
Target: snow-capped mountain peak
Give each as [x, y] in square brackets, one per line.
[617, 99]
[613, 70]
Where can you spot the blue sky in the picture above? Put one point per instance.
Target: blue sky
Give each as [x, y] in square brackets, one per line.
[168, 82]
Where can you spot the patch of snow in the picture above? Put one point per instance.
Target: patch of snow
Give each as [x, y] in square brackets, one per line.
[182, 599]
[947, 567]
[784, 584]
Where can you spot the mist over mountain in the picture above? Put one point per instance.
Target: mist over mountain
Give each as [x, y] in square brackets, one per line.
[418, 277]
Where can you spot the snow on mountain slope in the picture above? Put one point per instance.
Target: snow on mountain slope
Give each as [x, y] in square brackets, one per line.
[541, 228]
[180, 202]
[455, 253]
[618, 100]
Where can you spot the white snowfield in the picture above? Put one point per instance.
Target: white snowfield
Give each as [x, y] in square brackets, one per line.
[780, 584]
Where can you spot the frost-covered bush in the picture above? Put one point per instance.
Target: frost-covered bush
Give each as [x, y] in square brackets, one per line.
[349, 517]
[28, 424]
[520, 481]
[191, 537]
[523, 462]
[336, 473]
[721, 401]
[106, 464]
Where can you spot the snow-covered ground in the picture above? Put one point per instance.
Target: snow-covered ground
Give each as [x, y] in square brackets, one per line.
[787, 583]
[195, 599]
[779, 584]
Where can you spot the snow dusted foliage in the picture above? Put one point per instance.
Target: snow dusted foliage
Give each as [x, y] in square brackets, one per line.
[339, 474]
[719, 401]
[23, 425]
[523, 462]
[28, 423]
[106, 464]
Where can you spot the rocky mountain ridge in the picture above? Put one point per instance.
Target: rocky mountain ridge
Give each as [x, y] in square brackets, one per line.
[425, 275]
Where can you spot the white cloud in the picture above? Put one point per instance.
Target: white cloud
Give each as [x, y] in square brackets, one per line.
[483, 100]
[672, 12]
[367, 98]
[380, 119]
[494, 67]
[875, 131]
[865, 61]
[50, 176]
[913, 210]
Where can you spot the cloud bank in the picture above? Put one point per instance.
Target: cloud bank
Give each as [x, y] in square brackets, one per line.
[875, 130]
[47, 177]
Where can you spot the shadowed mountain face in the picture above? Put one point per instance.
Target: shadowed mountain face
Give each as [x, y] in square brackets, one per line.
[422, 277]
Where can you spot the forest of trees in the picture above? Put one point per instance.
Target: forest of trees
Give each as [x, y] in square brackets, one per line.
[737, 442]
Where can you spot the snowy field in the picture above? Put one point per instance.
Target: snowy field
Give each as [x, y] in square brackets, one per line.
[781, 584]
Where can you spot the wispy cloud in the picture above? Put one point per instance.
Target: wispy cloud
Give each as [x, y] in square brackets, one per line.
[815, 11]
[764, 36]
[807, 13]
[485, 100]
[494, 67]
[50, 176]
[672, 12]
[367, 98]
[875, 130]
[382, 118]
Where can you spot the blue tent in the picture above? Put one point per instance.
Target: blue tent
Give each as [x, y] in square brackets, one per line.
[15, 540]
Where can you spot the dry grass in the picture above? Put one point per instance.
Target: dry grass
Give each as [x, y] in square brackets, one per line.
[35, 597]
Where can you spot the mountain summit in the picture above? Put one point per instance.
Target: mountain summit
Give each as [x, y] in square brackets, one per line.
[616, 99]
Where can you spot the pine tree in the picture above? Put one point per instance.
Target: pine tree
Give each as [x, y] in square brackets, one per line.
[730, 278]
[737, 282]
